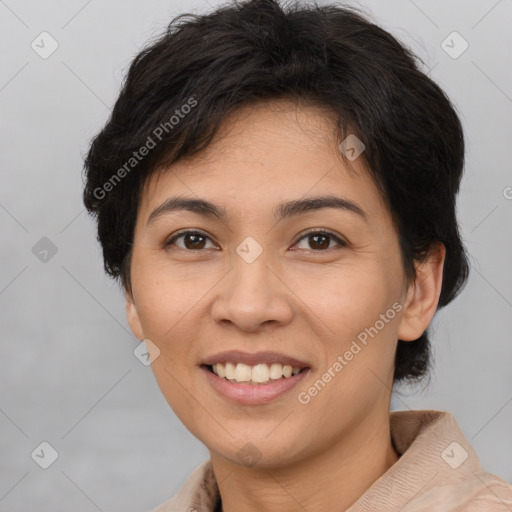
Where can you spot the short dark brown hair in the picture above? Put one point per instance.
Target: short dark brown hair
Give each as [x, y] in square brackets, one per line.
[181, 87]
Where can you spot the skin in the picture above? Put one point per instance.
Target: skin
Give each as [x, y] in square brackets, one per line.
[310, 303]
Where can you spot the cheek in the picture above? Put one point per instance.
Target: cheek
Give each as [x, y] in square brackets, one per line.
[348, 298]
[352, 313]
[167, 317]
[164, 300]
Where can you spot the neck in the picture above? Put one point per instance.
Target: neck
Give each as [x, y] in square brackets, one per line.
[332, 479]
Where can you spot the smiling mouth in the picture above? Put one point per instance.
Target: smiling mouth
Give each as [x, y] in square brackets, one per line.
[254, 374]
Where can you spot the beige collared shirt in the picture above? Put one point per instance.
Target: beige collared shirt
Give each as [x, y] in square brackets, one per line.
[438, 471]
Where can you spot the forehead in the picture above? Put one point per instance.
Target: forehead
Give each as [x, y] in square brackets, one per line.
[263, 153]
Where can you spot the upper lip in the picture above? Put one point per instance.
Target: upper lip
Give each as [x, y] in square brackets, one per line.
[236, 356]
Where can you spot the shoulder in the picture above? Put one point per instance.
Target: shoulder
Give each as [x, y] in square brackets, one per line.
[491, 494]
[199, 493]
[479, 492]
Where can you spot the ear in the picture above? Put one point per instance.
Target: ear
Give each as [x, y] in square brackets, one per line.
[423, 295]
[133, 316]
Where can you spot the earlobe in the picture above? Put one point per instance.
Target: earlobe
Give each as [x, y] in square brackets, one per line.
[132, 316]
[423, 295]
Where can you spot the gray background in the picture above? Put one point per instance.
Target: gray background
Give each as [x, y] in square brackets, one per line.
[68, 375]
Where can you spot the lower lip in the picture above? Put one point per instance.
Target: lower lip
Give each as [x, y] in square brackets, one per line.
[253, 394]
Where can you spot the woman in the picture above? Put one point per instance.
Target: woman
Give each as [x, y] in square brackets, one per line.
[276, 190]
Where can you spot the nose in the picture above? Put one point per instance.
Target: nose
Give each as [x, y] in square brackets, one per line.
[252, 295]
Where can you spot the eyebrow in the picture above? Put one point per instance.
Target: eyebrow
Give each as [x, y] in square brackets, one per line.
[282, 211]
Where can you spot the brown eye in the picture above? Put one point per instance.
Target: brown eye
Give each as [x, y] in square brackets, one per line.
[321, 240]
[191, 240]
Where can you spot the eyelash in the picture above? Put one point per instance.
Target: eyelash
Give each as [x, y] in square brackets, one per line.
[321, 231]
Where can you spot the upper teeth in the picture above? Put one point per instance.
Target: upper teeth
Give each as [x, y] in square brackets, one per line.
[258, 373]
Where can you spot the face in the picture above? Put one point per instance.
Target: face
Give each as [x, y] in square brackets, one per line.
[321, 289]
